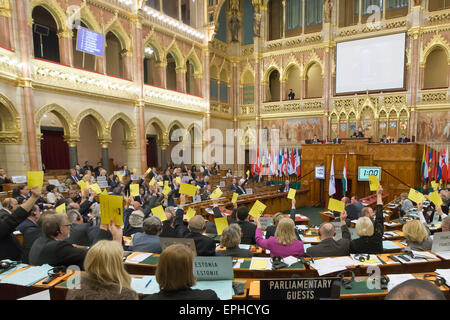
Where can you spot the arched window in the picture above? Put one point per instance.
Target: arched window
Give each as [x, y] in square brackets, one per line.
[45, 38]
[114, 62]
[81, 59]
[190, 81]
[223, 86]
[436, 66]
[149, 66]
[314, 81]
[293, 81]
[185, 12]
[171, 75]
[274, 86]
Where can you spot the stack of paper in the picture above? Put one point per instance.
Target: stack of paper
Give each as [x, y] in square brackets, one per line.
[290, 260]
[389, 245]
[396, 279]
[260, 264]
[330, 265]
[137, 257]
[20, 265]
[311, 239]
[145, 285]
[301, 227]
[244, 246]
[28, 276]
[237, 264]
[423, 255]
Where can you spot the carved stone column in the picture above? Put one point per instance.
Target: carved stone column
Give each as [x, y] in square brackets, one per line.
[198, 79]
[65, 47]
[160, 74]
[127, 58]
[105, 153]
[24, 31]
[6, 34]
[181, 79]
[73, 152]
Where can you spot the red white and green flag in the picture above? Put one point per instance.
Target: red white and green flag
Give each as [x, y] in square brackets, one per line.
[344, 177]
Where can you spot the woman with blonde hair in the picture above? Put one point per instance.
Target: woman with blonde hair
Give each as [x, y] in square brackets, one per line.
[230, 239]
[284, 243]
[417, 236]
[175, 276]
[106, 277]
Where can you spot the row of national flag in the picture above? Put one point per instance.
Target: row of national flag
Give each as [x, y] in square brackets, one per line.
[332, 183]
[276, 162]
[435, 165]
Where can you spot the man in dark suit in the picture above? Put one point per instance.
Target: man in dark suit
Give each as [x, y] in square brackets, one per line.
[81, 234]
[141, 197]
[403, 139]
[31, 221]
[384, 139]
[9, 206]
[3, 178]
[353, 211]
[315, 140]
[233, 185]
[337, 140]
[328, 247]
[9, 245]
[74, 176]
[285, 187]
[248, 228]
[204, 245]
[97, 169]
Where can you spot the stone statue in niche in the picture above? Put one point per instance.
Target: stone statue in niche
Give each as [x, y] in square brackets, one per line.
[417, 2]
[235, 25]
[257, 23]
[327, 9]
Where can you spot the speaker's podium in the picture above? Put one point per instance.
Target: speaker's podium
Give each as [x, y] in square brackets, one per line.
[400, 164]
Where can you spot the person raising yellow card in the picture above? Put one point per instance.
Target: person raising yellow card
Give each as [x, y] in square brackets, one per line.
[336, 205]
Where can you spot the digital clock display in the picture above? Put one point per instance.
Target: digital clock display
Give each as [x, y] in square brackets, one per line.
[365, 172]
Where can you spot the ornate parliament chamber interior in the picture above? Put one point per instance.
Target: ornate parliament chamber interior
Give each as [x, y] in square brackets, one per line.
[269, 149]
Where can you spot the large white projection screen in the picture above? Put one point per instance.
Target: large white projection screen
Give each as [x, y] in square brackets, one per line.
[371, 64]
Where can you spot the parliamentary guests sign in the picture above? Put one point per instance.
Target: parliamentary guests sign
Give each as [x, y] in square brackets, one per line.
[300, 289]
[90, 42]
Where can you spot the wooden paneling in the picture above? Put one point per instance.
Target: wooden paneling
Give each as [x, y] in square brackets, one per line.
[402, 161]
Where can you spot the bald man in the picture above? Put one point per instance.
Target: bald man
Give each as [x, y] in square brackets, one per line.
[328, 247]
[415, 289]
[204, 245]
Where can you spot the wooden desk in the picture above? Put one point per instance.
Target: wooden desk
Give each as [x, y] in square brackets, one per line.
[253, 286]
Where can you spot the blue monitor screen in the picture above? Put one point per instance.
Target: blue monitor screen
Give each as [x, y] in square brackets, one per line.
[90, 42]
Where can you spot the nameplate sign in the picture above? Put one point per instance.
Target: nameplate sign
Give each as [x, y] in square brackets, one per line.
[249, 190]
[213, 268]
[19, 179]
[54, 182]
[300, 289]
[222, 184]
[265, 222]
[441, 242]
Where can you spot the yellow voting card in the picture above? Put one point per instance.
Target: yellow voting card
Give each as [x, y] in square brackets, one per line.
[134, 170]
[159, 212]
[434, 185]
[248, 172]
[258, 264]
[134, 190]
[148, 171]
[104, 192]
[178, 180]
[216, 194]
[436, 198]
[120, 176]
[188, 189]
[336, 205]
[35, 178]
[82, 185]
[235, 197]
[291, 194]
[257, 209]
[95, 188]
[61, 208]
[374, 183]
[152, 182]
[166, 183]
[111, 209]
[160, 183]
[166, 190]
[416, 196]
[221, 223]
[190, 213]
